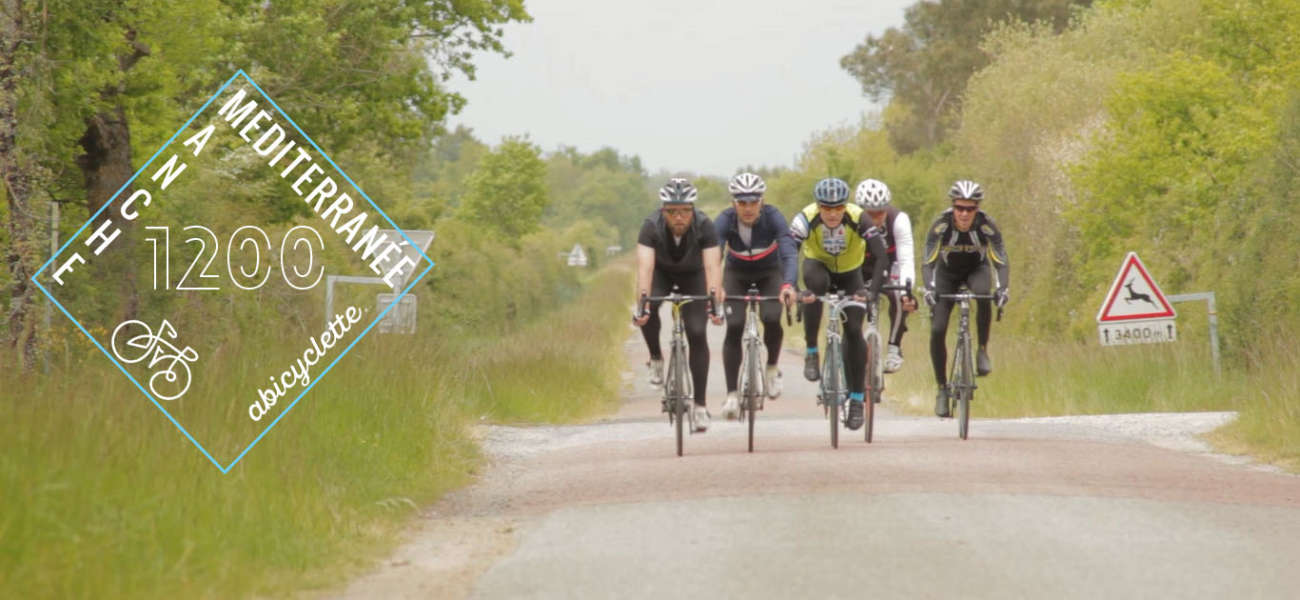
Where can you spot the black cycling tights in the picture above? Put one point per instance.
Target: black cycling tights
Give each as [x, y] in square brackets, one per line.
[736, 283]
[979, 281]
[695, 317]
[818, 279]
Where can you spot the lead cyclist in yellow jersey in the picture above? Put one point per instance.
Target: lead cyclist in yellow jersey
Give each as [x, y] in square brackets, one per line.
[835, 238]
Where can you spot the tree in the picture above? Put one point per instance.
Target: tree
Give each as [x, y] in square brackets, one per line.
[923, 67]
[507, 192]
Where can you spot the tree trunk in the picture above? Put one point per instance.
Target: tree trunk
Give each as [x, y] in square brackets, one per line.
[16, 173]
[106, 164]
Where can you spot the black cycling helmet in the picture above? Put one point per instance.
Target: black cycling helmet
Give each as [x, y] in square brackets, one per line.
[677, 191]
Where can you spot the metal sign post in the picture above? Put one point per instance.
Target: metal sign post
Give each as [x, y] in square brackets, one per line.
[1208, 297]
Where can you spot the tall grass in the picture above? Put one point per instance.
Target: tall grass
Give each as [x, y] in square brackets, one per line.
[102, 497]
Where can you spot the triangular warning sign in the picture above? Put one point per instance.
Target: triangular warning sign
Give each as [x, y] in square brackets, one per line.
[1134, 295]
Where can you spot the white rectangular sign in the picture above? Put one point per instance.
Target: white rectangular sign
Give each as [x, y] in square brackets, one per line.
[1137, 332]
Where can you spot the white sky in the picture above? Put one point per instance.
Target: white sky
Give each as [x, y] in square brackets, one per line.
[687, 85]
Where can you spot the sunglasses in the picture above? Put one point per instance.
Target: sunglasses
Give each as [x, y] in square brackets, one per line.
[678, 212]
[964, 209]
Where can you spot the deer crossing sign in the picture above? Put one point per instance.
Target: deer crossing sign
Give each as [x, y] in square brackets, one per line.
[1135, 310]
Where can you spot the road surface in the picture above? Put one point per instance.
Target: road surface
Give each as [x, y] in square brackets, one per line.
[1120, 506]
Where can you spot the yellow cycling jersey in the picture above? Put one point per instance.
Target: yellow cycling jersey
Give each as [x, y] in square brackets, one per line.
[841, 249]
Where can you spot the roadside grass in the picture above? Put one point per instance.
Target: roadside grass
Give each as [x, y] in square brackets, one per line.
[1268, 427]
[105, 498]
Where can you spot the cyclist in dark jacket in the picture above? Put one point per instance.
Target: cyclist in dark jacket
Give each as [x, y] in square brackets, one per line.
[962, 246]
[759, 253]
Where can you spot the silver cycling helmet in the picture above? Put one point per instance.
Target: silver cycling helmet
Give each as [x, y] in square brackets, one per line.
[678, 191]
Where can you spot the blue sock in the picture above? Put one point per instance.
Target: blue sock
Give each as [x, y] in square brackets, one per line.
[856, 396]
[812, 350]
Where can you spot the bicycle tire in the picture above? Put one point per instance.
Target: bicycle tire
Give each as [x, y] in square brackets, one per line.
[875, 384]
[679, 398]
[967, 391]
[753, 390]
[831, 367]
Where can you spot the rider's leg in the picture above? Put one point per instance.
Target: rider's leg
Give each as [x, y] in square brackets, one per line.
[816, 279]
[944, 284]
[855, 347]
[897, 318]
[650, 331]
[981, 282]
[695, 317]
[770, 313]
[735, 286]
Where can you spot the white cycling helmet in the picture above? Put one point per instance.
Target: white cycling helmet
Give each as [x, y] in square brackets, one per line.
[965, 189]
[872, 194]
[747, 184]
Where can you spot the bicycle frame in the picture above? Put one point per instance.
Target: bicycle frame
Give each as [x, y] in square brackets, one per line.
[961, 381]
[678, 387]
[752, 385]
[833, 391]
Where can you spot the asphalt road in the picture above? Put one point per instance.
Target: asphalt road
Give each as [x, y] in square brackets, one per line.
[1110, 506]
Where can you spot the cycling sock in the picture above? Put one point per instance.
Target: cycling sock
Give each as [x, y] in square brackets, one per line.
[812, 350]
[856, 396]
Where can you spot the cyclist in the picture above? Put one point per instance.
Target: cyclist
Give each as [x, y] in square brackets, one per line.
[874, 198]
[835, 238]
[679, 246]
[962, 246]
[759, 254]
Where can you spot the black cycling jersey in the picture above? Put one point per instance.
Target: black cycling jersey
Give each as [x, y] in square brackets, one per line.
[678, 256]
[962, 252]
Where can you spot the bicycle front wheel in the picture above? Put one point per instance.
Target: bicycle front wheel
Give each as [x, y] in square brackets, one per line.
[752, 391]
[967, 390]
[834, 390]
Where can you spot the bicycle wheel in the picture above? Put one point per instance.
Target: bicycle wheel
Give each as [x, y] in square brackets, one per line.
[834, 390]
[753, 390]
[966, 390]
[875, 383]
[679, 398]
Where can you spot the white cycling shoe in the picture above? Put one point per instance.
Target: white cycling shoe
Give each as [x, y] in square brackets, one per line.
[701, 418]
[893, 360]
[656, 374]
[772, 381]
[731, 408]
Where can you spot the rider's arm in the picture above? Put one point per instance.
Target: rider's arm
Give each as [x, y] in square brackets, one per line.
[721, 225]
[645, 258]
[904, 251]
[799, 230]
[787, 250]
[880, 260]
[712, 249]
[997, 251]
[931, 258]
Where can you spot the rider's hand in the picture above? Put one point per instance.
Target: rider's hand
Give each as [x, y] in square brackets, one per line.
[787, 294]
[909, 303]
[931, 298]
[641, 320]
[721, 297]
[715, 318]
[1003, 296]
[807, 297]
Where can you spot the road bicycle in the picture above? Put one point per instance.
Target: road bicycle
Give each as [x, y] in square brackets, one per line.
[875, 380]
[752, 384]
[832, 389]
[961, 380]
[678, 388]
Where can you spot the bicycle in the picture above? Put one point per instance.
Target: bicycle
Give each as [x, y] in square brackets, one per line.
[752, 383]
[961, 383]
[833, 390]
[678, 388]
[875, 380]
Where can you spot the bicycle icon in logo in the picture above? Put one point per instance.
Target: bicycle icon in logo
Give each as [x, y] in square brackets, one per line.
[141, 343]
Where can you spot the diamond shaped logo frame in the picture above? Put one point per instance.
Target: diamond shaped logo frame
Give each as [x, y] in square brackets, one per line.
[240, 74]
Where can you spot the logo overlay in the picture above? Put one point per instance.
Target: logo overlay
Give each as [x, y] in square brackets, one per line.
[203, 279]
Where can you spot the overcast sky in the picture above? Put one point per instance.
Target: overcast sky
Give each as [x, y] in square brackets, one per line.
[687, 85]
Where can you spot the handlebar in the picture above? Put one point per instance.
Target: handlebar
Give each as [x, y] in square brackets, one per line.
[678, 299]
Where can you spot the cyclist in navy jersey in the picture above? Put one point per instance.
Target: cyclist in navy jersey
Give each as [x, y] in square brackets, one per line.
[759, 253]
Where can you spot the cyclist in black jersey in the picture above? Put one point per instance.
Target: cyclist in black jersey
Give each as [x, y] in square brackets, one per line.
[962, 246]
[678, 245]
[759, 253]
